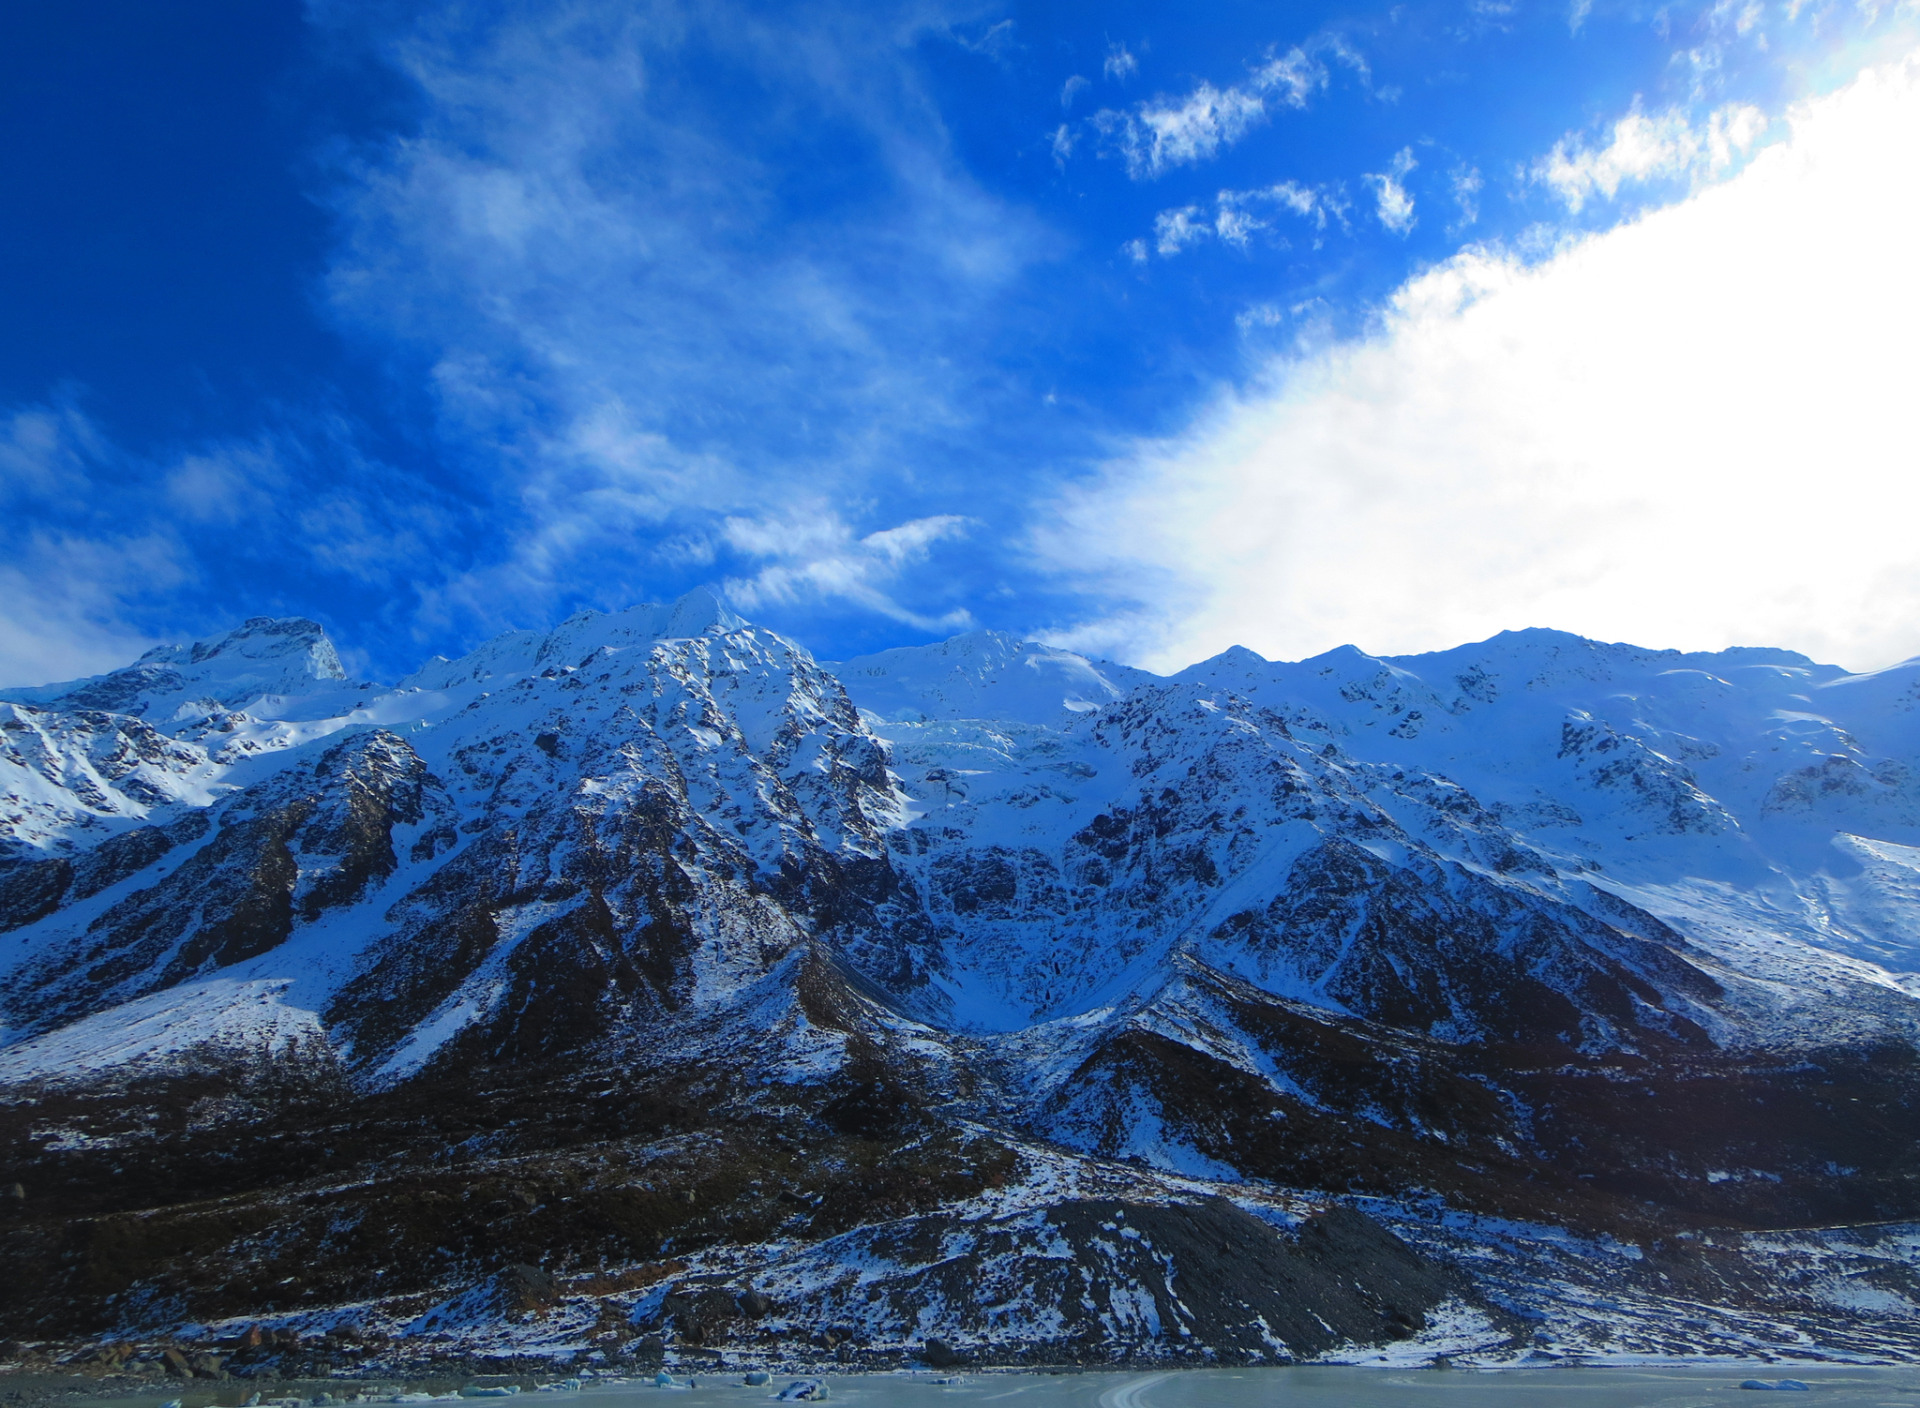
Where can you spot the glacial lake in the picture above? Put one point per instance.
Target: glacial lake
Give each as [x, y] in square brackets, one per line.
[1706, 1386]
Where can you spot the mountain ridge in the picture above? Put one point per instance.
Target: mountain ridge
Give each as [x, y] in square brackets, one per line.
[1531, 930]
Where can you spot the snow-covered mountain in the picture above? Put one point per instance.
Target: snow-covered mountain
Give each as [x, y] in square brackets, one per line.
[1749, 772]
[985, 675]
[1542, 929]
[389, 868]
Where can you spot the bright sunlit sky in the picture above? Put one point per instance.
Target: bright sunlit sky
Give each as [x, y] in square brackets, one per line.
[1147, 329]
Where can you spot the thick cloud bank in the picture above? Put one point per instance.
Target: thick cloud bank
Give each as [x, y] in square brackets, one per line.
[1695, 429]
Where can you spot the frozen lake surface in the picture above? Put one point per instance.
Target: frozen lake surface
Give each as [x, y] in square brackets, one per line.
[1702, 1386]
[1340, 1387]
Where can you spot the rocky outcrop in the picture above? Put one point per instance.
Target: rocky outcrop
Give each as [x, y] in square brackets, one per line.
[313, 838]
[1090, 1281]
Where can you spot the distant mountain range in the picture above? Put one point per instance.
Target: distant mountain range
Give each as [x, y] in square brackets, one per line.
[647, 988]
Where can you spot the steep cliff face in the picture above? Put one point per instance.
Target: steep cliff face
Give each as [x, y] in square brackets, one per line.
[1543, 929]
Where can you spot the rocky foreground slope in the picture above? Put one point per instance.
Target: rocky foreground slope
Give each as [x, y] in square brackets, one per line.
[649, 987]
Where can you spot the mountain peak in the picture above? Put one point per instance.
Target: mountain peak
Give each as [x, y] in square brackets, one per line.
[984, 674]
[262, 639]
[266, 655]
[700, 612]
[695, 613]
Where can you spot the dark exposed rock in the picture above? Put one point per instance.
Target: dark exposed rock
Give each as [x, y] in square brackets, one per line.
[31, 890]
[309, 840]
[1118, 1280]
[1436, 949]
[1223, 1278]
[524, 1288]
[753, 1304]
[700, 1315]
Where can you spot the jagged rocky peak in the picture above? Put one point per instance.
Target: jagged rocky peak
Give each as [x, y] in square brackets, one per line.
[697, 613]
[270, 641]
[266, 657]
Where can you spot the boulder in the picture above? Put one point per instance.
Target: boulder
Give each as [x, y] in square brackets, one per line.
[938, 1354]
[523, 1288]
[754, 1304]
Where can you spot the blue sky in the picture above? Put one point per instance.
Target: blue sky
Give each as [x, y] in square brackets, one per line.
[900, 320]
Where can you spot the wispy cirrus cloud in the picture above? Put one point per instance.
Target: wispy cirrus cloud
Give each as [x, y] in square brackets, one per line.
[810, 553]
[1391, 201]
[68, 573]
[646, 309]
[1238, 217]
[1467, 183]
[104, 549]
[1161, 133]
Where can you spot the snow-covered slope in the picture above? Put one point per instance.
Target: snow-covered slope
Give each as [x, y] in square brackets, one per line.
[621, 800]
[265, 661]
[1751, 795]
[84, 760]
[1534, 925]
[1028, 836]
[985, 675]
[1063, 870]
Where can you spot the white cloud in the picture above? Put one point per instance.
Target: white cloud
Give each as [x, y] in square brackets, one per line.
[67, 570]
[1167, 132]
[1292, 77]
[70, 559]
[996, 43]
[99, 546]
[1073, 87]
[1120, 64]
[1695, 430]
[814, 555]
[1173, 230]
[1467, 185]
[1295, 76]
[228, 483]
[1234, 220]
[44, 453]
[65, 600]
[1316, 203]
[636, 327]
[1160, 134]
[1666, 146]
[1391, 202]
[1235, 225]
